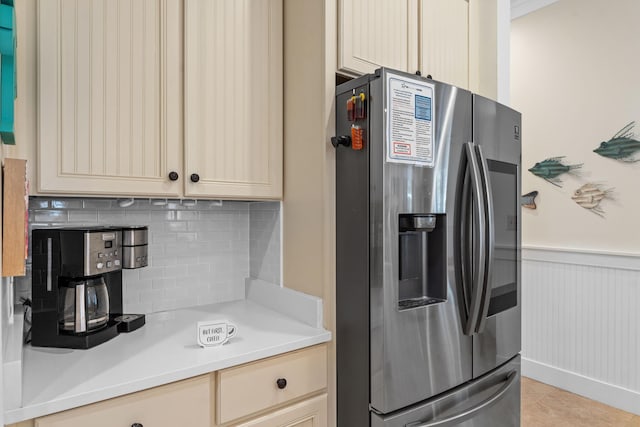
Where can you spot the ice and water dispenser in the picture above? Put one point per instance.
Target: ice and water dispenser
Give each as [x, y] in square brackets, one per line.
[422, 260]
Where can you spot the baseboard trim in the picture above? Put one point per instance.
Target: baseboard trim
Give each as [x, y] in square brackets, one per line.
[618, 397]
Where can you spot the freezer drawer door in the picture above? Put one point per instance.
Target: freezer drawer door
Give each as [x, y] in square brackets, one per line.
[490, 401]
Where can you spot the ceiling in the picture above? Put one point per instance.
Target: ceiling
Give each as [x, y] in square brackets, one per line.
[522, 7]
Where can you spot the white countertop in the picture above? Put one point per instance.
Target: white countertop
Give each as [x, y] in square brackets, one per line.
[162, 351]
[12, 358]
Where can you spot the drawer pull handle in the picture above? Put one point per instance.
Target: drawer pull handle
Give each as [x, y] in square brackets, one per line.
[136, 425]
[281, 383]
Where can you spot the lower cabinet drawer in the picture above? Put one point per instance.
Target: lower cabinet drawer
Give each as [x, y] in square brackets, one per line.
[247, 389]
[184, 403]
[308, 413]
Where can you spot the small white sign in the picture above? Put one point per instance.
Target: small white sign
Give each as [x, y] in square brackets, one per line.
[214, 333]
[410, 121]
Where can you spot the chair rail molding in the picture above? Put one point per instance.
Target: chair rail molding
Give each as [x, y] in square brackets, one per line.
[604, 259]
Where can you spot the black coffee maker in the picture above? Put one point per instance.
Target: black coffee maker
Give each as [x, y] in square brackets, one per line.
[77, 287]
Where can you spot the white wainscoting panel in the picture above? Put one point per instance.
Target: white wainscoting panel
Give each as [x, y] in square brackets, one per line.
[581, 323]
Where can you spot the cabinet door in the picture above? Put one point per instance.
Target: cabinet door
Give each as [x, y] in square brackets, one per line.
[485, 57]
[377, 33]
[444, 40]
[309, 413]
[185, 403]
[109, 92]
[233, 98]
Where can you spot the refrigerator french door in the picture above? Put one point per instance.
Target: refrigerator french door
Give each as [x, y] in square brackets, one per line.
[427, 277]
[496, 131]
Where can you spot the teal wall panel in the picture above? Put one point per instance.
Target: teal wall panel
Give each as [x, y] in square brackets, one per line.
[7, 71]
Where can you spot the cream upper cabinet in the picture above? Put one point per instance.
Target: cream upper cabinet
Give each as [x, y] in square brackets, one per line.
[430, 36]
[168, 98]
[109, 97]
[233, 98]
[444, 40]
[375, 33]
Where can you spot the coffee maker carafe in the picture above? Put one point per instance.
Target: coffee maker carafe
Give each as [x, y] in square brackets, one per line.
[77, 287]
[83, 304]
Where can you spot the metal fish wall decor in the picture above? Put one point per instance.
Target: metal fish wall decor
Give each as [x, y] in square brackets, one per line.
[589, 197]
[550, 170]
[529, 200]
[622, 146]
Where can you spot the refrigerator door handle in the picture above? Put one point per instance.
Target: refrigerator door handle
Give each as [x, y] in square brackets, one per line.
[488, 245]
[460, 417]
[477, 194]
[461, 243]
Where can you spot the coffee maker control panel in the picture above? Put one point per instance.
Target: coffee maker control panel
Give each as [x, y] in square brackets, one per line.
[102, 251]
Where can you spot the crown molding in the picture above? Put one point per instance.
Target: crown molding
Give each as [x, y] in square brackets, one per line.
[522, 7]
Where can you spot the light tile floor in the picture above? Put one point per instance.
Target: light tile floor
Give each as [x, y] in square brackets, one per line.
[547, 406]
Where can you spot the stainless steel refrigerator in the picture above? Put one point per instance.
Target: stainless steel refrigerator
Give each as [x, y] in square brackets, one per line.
[428, 255]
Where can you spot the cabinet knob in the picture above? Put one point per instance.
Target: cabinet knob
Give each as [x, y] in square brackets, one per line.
[173, 176]
[418, 73]
[195, 177]
[281, 383]
[136, 425]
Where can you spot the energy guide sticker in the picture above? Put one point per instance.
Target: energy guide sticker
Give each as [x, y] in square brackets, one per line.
[410, 120]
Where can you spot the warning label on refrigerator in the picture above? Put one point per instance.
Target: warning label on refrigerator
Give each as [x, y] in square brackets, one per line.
[410, 121]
